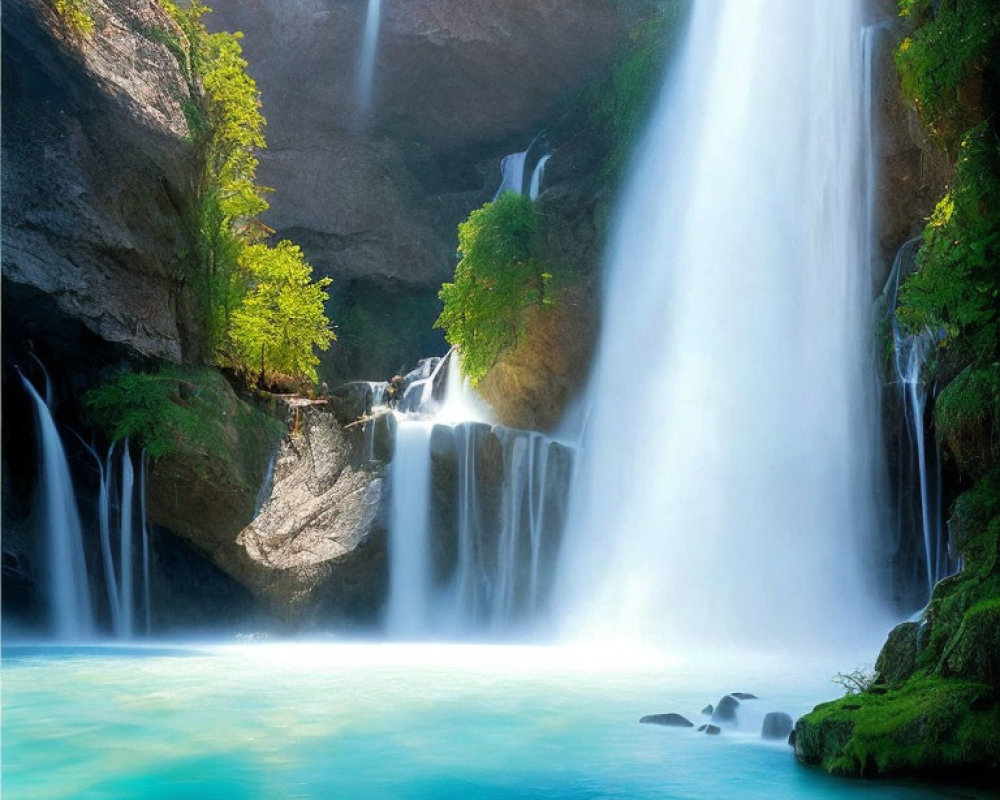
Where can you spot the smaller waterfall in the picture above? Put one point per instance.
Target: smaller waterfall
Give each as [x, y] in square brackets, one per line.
[410, 579]
[147, 599]
[366, 60]
[67, 591]
[125, 565]
[537, 176]
[265, 485]
[513, 168]
[911, 352]
[477, 512]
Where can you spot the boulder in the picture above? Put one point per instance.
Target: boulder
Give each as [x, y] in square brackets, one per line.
[898, 658]
[711, 730]
[670, 720]
[707, 710]
[777, 725]
[743, 695]
[726, 709]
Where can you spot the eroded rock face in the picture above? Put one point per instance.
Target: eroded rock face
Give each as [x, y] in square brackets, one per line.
[314, 540]
[97, 175]
[375, 200]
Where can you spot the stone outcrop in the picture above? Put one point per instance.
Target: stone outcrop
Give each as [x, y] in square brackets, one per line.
[375, 200]
[316, 540]
[97, 176]
[315, 547]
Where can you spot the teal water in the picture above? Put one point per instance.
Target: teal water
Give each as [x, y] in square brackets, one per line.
[395, 721]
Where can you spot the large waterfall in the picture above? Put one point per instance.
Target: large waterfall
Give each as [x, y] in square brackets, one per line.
[727, 493]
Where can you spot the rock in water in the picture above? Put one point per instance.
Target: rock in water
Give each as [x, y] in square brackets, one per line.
[725, 709]
[711, 730]
[707, 710]
[777, 725]
[670, 720]
[743, 695]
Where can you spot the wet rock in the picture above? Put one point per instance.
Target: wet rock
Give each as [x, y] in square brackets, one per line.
[707, 710]
[670, 720]
[726, 709]
[791, 737]
[777, 725]
[711, 730]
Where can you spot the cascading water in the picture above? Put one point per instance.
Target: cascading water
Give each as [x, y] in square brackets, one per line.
[366, 59]
[730, 497]
[512, 173]
[66, 581]
[476, 513]
[918, 464]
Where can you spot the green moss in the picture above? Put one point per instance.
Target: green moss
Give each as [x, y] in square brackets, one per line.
[189, 413]
[619, 106]
[946, 60]
[77, 15]
[967, 415]
[931, 724]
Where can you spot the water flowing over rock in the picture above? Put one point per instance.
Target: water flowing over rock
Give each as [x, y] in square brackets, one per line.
[736, 332]
[477, 513]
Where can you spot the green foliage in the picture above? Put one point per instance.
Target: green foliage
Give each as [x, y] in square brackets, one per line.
[77, 14]
[944, 63]
[280, 318]
[162, 410]
[957, 285]
[619, 106]
[967, 415]
[928, 724]
[497, 278]
[263, 312]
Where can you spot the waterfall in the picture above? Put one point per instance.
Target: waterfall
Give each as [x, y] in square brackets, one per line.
[147, 599]
[911, 352]
[512, 171]
[410, 578]
[512, 174]
[366, 59]
[67, 591]
[537, 176]
[125, 565]
[729, 499]
[476, 512]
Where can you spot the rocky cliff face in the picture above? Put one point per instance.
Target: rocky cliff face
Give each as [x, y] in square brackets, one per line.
[97, 175]
[375, 199]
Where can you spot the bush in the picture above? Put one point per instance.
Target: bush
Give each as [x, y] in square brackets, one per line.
[497, 278]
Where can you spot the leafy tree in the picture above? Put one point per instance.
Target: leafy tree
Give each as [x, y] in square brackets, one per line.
[245, 286]
[497, 278]
[280, 317]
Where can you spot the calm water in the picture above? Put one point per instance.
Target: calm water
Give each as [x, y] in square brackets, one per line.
[396, 721]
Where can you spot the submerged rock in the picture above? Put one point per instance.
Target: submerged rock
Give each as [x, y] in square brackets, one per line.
[725, 709]
[670, 720]
[711, 730]
[777, 725]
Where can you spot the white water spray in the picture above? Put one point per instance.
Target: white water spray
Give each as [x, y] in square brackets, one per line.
[66, 581]
[730, 498]
[366, 60]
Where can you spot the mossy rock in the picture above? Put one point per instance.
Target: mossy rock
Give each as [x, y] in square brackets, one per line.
[929, 725]
[975, 651]
[898, 658]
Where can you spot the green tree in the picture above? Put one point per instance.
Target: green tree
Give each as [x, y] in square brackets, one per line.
[497, 278]
[279, 319]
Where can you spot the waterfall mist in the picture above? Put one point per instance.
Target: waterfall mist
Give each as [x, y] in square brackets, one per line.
[727, 493]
